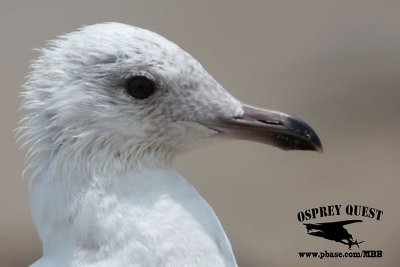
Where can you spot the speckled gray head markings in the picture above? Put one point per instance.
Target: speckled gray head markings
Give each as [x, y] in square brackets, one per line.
[78, 81]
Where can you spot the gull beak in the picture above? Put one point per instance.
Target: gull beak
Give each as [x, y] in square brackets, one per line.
[270, 127]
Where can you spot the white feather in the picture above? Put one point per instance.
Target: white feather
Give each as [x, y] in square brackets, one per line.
[103, 192]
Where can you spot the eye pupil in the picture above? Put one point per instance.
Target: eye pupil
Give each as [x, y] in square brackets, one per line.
[139, 87]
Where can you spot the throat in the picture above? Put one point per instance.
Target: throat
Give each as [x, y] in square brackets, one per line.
[147, 216]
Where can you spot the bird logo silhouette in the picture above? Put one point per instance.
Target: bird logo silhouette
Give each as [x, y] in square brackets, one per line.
[334, 231]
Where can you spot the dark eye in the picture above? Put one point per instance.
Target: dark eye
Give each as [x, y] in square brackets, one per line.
[140, 87]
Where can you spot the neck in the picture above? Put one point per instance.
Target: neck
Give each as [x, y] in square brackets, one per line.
[150, 216]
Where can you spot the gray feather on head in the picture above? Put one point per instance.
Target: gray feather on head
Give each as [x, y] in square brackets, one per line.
[79, 108]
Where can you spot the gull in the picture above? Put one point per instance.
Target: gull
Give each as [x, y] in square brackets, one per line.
[109, 107]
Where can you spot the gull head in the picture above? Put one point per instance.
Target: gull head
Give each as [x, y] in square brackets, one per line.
[116, 93]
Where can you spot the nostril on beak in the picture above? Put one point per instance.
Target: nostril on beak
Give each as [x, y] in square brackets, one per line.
[270, 122]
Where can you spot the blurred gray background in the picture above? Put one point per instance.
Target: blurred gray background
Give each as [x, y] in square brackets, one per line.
[336, 64]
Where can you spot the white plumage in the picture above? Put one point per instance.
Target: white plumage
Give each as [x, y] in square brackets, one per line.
[103, 192]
